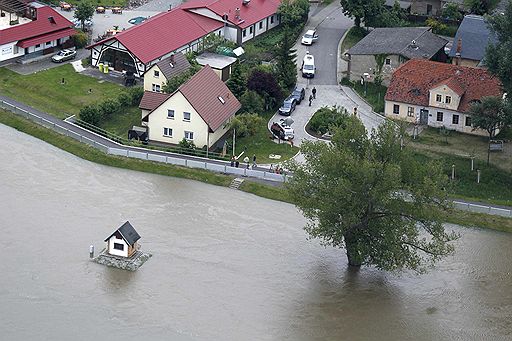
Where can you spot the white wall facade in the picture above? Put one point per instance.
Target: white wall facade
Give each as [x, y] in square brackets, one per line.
[150, 79]
[260, 27]
[112, 251]
[10, 50]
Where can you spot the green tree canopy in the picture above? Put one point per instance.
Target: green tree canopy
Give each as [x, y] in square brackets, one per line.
[370, 196]
[293, 13]
[480, 7]
[286, 66]
[84, 11]
[237, 81]
[252, 102]
[362, 10]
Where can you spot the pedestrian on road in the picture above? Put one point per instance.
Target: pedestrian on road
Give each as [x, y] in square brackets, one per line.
[237, 163]
[233, 161]
[246, 160]
[254, 161]
[310, 99]
[314, 92]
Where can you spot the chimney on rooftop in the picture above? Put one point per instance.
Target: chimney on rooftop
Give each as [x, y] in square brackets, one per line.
[458, 51]
[171, 60]
[237, 13]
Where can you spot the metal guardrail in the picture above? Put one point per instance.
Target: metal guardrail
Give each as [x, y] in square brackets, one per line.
[140, 153]
[482, 209]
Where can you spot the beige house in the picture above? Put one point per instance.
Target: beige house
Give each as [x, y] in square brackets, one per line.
[172, 66]
[438, 94]
[199, 111]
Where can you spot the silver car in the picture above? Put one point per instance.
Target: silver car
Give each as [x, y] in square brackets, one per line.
[64, 55]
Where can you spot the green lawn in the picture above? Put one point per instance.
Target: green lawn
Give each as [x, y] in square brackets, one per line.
[371, 92]
[44, 90]
[120, 124]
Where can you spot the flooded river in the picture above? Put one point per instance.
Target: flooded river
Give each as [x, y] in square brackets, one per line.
[226, 265]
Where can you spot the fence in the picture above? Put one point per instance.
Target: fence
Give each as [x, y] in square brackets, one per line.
[140, 153]
[482, 209]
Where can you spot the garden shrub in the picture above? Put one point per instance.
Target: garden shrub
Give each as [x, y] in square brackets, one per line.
[326, 118]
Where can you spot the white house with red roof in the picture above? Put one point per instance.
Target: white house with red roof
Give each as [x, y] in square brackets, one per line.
[31, 29]
[190, 112]
[183, 29]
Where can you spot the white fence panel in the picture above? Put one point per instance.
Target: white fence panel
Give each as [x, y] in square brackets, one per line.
[196, 164]
[116, 151]
[137, 155]
[74, 135]
[61, 130]
[88, 141]
[176, 161]
[157, 158]
[274, 177]
[215, 167]
[236, 171]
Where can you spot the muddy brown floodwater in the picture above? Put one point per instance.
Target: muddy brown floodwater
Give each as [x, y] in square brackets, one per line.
[226, 265]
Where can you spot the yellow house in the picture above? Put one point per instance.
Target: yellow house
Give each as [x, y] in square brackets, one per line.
[199, 111]
[172, 66]
[438, 94]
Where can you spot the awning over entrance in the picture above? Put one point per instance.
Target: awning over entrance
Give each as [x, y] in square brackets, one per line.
[46, 37]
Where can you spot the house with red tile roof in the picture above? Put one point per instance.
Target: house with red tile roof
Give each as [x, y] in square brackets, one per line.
[438, 94]
[31, 29]
[190, 112]
[184, 29]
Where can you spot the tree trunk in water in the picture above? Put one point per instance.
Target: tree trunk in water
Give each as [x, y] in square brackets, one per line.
[353, 254]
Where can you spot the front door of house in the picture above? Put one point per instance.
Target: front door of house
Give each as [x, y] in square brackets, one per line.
[424, 116]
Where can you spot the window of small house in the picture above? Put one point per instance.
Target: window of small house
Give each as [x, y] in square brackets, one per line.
[455, 119]
[170, 113]
[396, 109]
[118, 246]
[448, 99]
[468, 121]
[156, 73]
[439, 116]
[186, 116]
[439, 98]
[388, 61]
[410, 111]
[168, 132]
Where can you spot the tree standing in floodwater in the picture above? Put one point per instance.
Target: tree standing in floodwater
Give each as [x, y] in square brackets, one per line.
[372, 198]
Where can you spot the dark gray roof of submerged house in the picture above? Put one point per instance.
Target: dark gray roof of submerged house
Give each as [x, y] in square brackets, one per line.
[128, 233]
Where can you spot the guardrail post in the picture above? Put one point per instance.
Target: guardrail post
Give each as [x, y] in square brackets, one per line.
[225, 169]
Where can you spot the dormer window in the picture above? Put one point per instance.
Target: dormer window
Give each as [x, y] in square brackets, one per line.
[448, 100]
[439, 98]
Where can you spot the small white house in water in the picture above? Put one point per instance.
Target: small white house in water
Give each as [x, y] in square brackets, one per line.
[123, 241]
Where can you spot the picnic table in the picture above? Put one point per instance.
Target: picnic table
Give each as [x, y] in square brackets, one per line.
[65, 6]
[100, 9]
[117, 10]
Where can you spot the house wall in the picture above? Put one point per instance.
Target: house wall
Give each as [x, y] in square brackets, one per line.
[273, 21]
[447, 117]
[115, 252]
[10, 50]
[247, 33]
[263, 25]
[359, 64]
[150, 79]
[231, 33]
[158, 120]
[420, 7]
[216, 135]
[444, 91]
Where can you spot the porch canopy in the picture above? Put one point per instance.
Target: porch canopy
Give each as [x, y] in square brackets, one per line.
[43, 38]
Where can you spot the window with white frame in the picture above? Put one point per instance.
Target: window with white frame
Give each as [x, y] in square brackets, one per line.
[156, 73]
[156, 87]
[410, 111]
[118, 246]
[244, 33]
[261, 25]
[189, 135]
[186, 116]
[468, 121]
[455, 119]
[440, 116]
[448, 99]
[170, 114]
[396, 109]
[439, 98]
[250, 30]
[168, 132]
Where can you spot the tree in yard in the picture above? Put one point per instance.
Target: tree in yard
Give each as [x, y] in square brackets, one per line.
[480, 7]
[237, 81]
[370, 196]
[394, 17]
[498, 57]
[491, 116]
[362, 10]
[265, 84]
[293, 13]
[286, 66]
[451, 11]
[252, 102]
[83, 12]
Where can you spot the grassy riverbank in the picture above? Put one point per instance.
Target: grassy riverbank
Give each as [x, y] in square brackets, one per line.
[271, 192]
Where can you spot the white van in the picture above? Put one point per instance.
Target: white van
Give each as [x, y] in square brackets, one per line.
[308, 66]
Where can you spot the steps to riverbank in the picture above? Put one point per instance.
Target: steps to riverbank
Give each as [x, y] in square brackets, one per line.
[235, 184]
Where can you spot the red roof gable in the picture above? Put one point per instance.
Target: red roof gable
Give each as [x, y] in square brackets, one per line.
[152, 100]
[251, 13]
[164, 33]
[206, 92]
[412, 82]
[42, 25]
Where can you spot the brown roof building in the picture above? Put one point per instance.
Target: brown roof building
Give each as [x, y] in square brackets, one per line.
[438, 94]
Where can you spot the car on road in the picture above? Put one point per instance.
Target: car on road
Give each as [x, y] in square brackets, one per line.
[288, 106]
[309, 38]
[64, 55]
[308, 66]
[299, 94]
[137, 20]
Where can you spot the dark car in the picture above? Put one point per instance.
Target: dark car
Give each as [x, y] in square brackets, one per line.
[298, 94]
[288, 106]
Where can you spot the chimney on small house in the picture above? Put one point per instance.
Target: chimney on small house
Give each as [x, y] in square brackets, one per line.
[237, 13]
[171, 60]
[245, 2]
[458, 51]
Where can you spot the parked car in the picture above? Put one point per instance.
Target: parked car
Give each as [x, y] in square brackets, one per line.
[64, 55]
[308, 66]
[78, 23]
[288, 106]
[298, 94]
[309, 38]
[282, 132]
